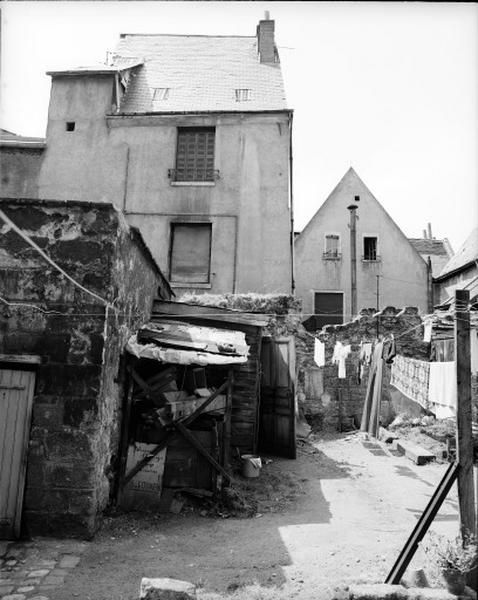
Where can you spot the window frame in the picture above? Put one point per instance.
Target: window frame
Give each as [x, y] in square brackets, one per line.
[178, 283]
[377, 252]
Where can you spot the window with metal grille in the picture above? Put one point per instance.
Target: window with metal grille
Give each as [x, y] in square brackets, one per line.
[161, 94]
[195, 154]
[370, 248]
[190, 255]
[243, 94]
[332, 245]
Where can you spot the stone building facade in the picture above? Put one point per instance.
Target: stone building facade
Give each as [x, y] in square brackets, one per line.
[333, 400]
[78, 339]
[190, 136]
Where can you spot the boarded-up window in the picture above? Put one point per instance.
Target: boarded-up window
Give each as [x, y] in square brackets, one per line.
[370, 248]
[195, 154]
[190, 252]
[332, 245]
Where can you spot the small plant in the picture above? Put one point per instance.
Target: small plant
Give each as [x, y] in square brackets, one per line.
[458, 554]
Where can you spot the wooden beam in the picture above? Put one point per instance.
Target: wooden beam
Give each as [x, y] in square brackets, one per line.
[192, 417]
[21, 358]
[464, 440]
[226, 438]
[422, 525]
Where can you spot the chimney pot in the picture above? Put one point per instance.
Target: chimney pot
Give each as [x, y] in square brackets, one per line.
[267, 15]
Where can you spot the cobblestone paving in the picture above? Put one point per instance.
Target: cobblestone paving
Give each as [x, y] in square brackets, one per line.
[30, 570]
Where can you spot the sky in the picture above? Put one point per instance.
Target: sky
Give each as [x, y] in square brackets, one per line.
[388, 88]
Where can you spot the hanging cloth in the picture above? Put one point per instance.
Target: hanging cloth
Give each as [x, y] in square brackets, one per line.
[364, 358]
[442, 389]
[341, 352]
[319, 353]
[427, 330]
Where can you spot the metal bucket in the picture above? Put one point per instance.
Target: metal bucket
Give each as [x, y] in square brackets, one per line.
[251, 465]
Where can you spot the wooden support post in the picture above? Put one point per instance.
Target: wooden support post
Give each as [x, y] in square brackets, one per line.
[464, 440]
[226, 439]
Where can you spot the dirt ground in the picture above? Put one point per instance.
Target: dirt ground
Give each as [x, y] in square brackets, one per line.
[338, 514]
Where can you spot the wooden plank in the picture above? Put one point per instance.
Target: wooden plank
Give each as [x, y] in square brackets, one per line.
[464, 439]
[422, 525]
[184, 431]
[16, 398]
[213, 313]
[206, 403]
[226, 438]
[142, 463]
[124, 440]
[21, 358]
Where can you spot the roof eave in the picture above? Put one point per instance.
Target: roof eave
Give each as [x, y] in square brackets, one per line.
[289, 111]
[453, 272]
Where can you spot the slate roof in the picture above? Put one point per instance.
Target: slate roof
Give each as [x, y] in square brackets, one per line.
[200, 72]
[466, 255]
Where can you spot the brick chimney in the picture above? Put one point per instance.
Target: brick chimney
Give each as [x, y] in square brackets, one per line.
[265, 40]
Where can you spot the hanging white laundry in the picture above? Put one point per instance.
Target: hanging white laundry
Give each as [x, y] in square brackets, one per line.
[319, 353]
[341, 352]
[427, 330]
[365, 352]
[442, 389]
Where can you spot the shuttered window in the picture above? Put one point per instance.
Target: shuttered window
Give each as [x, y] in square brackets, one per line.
[332, 245]
[195, 154]
[190, 253]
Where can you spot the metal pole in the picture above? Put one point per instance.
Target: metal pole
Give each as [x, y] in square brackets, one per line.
[353, 259]
[378, 303]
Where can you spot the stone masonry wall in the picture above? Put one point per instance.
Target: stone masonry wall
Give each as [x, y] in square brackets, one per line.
[323, 399]
[75, 408]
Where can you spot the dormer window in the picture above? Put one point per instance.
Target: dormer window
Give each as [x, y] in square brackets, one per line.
[160, 94]
[243, 94]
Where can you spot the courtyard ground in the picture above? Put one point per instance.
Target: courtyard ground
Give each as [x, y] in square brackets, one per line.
[338, 514]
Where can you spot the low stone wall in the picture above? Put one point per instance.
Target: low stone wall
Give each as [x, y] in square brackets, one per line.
[77, 400]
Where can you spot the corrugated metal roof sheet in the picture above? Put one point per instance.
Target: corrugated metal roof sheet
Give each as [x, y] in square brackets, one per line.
[185, 344]
[201, 72]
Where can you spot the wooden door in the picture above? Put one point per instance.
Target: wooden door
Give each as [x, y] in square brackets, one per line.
[16, 395]
[277, 409]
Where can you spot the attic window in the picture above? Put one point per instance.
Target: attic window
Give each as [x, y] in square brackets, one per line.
[243, 95]
[70, 125]
[161, 93]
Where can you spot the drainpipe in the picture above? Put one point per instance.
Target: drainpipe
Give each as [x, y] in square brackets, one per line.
[291, 205]
[353, 259]
[429, 286]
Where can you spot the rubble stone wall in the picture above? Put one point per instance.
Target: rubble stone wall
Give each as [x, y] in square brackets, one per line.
[331, 399]
[76, 415]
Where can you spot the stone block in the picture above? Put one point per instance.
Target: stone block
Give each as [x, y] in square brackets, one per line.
[415, 453]
[166, 589]
[79, 411]
[69, 380]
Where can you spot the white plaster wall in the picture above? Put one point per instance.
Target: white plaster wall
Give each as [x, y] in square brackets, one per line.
[403, 273]
[125, 160]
